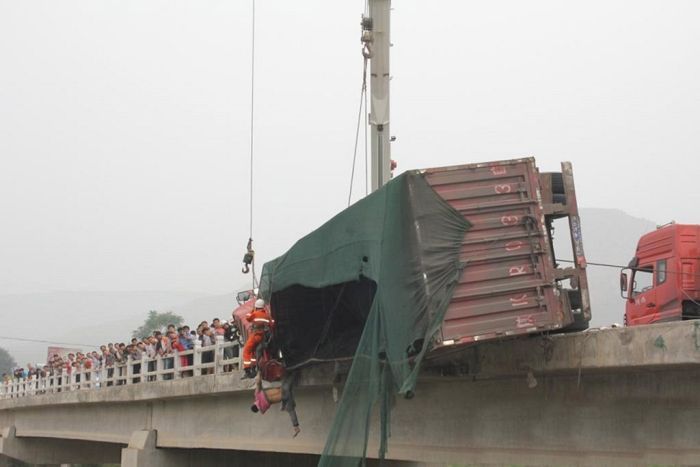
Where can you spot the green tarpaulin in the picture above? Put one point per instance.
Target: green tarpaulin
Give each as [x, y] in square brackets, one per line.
[374, 283]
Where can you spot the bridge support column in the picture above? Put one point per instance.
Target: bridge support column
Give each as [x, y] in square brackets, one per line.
[142, 452]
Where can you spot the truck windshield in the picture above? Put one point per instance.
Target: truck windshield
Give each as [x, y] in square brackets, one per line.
[643, 280]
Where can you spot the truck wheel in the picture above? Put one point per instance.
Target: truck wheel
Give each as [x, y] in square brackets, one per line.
[558, 183]
[559, 198]
[580, 323]
[558, 195]
[575, 299]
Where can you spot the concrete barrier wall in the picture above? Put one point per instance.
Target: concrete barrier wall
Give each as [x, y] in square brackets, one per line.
[507, 406]
[647, 417]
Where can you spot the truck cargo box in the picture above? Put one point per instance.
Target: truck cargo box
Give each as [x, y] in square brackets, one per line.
[438, 257]
[509, 286]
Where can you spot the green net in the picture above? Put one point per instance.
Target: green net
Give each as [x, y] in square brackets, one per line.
[373, 282]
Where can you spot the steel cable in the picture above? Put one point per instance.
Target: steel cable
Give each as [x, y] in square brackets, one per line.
[363, 92]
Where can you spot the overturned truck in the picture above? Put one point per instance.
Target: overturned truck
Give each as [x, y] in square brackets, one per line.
[450, 256]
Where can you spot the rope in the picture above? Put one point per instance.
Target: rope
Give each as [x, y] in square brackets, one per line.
[252, 110]
[255, 276]
[618, 266]
[367, 182]
[252, 141]
[363, 93]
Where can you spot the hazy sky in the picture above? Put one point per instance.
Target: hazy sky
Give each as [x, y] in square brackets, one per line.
[124, 124]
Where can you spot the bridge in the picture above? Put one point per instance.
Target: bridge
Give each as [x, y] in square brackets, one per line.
[602, 397]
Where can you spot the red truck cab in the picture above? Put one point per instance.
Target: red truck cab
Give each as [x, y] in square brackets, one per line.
[246, 304]
[662, 282]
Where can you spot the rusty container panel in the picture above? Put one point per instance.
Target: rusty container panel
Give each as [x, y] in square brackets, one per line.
[508, 284]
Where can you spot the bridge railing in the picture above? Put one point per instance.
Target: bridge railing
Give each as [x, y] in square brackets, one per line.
[214, 359]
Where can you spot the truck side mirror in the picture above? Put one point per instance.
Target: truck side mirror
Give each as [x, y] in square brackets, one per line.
[624, 281]
[243, 297]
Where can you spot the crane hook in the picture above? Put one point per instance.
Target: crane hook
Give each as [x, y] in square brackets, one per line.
[248, 257]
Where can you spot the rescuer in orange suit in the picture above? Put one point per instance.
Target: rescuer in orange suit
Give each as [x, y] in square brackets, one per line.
[261, 322]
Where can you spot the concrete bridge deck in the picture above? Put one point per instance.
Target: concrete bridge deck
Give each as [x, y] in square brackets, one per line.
[625, 396]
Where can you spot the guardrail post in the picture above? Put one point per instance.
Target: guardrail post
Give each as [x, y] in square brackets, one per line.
[159, 368]
[239, 359]
[176, 365]
[197, 358]
[129, 370]
[219, 355]
[151, 368]
[144, 367]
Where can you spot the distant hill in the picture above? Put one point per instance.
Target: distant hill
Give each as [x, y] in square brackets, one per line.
[77, 317]
[609, 236]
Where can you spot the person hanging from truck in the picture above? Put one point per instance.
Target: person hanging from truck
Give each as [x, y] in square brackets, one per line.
[268, 393]
[261, 323]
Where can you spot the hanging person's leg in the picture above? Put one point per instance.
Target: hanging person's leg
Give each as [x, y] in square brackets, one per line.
[288, 403]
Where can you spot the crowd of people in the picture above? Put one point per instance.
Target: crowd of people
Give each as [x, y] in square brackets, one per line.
[272, 384]
[158, 344]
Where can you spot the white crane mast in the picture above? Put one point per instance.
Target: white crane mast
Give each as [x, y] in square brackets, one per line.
[375, 35]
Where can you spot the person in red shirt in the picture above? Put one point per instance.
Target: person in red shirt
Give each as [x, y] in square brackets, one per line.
[261, 323]
[177, 345]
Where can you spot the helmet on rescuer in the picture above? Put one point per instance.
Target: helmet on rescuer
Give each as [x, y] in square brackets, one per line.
[259, 303]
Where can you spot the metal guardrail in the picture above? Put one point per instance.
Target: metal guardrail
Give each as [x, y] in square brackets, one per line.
[196, 362]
